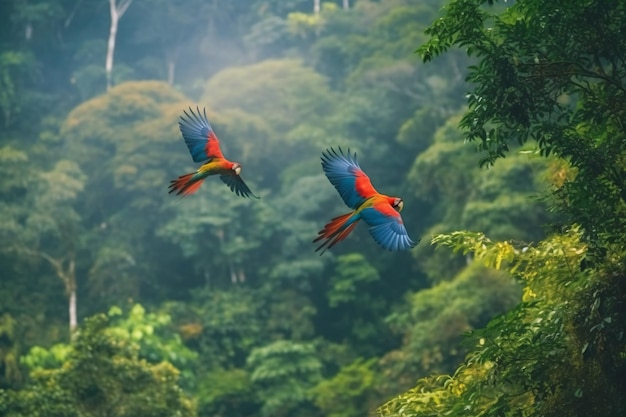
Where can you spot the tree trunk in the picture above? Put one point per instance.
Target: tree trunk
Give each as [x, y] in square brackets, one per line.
[316, 7]
[111, 45]
[117, 11]
[68, 277]
[71, 290]
[346, 4]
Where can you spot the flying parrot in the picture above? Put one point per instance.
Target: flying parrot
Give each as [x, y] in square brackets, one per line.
[204, 146]
[380, 212]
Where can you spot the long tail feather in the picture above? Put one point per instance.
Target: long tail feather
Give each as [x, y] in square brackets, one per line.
[339, 237]
[335, 231]
[332, 226]
[185, 184]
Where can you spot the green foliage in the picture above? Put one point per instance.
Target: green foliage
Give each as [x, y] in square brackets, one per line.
[352, 271]
[39, 358]
[118, 139]
[224, 326]
[259, 323]
[229, 325]
[438, 265]
[148, 332]
[535, 357]
[156, 339]
[52, 215]
[250, 88]
[418, 131]
[504, 201]
[46, 215]
[435, 320]
[11, 167]
[545, 73]
[284, 373]
[211, 224]
[9, 367]
[436, 170]
[102, 376]
[44, 225]
[519, 213]
[352, 288]
[346, 394]
[15, 69]
[303, 25]
[294, 216]
[12, 183]
[226, 392]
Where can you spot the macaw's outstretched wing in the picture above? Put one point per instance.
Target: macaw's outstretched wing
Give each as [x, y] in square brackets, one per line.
[344, 173]
[236, 185]
[199, 137]
[386, 227]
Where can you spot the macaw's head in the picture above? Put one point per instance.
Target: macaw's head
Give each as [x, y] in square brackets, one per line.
[237, 168]
[398, 204]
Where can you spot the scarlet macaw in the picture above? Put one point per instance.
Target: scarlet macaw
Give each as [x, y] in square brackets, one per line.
[204, 146]
[379, 211]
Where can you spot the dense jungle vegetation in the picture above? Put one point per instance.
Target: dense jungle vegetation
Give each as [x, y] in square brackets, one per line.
[500, 124]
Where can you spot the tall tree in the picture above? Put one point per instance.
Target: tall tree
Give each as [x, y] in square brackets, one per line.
[548, 74]
[47, 226]
[545, 72]
[116, 11]
[132, 128]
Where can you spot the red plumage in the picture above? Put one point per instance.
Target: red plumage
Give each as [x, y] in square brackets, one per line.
[363, 185]
[185, 184]
[335, 231]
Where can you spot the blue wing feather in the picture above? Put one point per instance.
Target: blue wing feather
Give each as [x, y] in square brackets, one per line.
[195, 130]
[388, 231]
[340, 170]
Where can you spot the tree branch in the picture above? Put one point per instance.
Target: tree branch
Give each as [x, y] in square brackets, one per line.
[123, 6]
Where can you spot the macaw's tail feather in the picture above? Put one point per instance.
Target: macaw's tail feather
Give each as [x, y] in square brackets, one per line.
[335, 231]
[185, 184]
